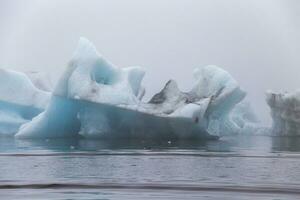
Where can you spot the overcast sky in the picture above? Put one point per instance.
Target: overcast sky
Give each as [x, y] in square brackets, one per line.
[257, 41]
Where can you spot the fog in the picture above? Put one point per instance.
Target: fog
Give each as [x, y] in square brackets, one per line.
[257, 41]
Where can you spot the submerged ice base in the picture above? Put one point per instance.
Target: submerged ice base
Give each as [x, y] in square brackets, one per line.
[96, 99]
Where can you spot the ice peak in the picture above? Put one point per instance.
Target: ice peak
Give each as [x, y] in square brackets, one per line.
[86, 53]
[170, 90]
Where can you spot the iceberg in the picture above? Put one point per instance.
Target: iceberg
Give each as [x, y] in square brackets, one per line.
[96, 99]
[285, 112]
[20, 101]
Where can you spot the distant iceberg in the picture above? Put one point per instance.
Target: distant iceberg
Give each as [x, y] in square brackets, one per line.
[285, 111]
[95, 99]
[20, 100]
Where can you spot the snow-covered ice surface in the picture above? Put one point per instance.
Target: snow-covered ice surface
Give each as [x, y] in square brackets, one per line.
[285, 111]
[20, 100]
[96, 99]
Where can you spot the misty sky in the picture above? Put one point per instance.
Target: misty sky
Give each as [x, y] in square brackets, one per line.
[257, 41]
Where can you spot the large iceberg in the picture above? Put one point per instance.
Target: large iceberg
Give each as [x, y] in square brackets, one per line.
[20, 100]
[95, 99]
[285, 111]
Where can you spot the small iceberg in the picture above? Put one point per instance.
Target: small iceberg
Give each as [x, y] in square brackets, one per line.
[285, 112]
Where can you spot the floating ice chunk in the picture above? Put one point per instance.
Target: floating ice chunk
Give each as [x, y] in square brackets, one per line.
[20, 101]
[100, 100]
[285, 111]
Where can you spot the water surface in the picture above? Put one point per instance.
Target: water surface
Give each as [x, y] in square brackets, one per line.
[235, 167]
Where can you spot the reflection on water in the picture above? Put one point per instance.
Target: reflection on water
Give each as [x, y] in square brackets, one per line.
[255, 144]
[288, 144]
[239, 167]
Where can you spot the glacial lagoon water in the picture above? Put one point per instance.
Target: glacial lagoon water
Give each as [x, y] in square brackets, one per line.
[233, 167]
